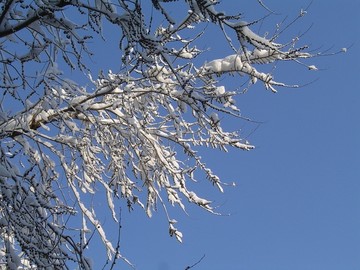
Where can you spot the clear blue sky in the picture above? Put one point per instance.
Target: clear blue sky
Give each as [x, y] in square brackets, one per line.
[297, 200]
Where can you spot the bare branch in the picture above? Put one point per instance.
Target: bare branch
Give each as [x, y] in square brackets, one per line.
[192, 266]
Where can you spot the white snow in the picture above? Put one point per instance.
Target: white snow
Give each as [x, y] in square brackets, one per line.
[229, 63]
[220, 90]
[250, 37]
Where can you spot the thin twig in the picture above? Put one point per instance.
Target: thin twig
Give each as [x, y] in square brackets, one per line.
[199, 261]
[118, 242]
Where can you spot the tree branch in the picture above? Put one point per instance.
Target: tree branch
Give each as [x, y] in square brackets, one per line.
[24, 24]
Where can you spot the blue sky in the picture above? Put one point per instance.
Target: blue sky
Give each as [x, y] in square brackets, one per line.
[297, 200]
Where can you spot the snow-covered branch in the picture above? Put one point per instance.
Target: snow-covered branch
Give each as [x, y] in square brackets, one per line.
[133, 136]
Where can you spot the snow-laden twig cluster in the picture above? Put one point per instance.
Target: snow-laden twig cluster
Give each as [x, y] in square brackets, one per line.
[132, 135]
